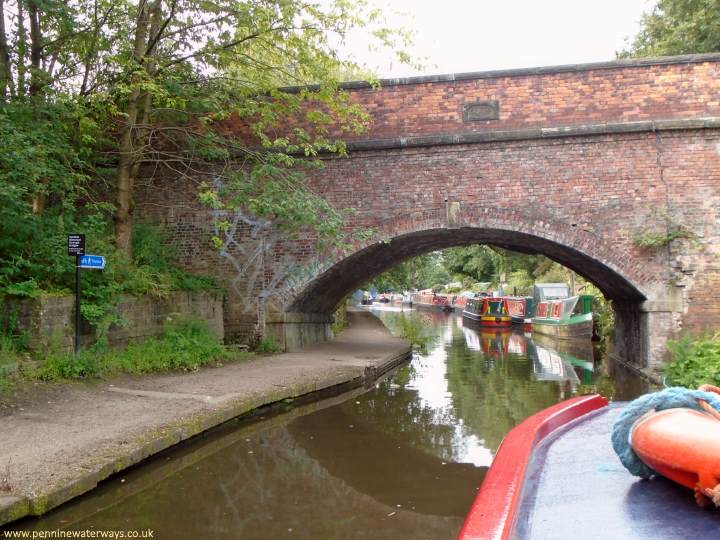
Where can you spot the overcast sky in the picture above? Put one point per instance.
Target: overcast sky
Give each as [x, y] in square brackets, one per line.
[456, 36]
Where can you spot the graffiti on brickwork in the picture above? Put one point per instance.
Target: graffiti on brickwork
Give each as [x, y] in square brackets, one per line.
[248, 242]
[298, 276]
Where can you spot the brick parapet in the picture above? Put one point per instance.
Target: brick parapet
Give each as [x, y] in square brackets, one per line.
[533, 102]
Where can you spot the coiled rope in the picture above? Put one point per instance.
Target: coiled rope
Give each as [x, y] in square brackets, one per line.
[707, 399]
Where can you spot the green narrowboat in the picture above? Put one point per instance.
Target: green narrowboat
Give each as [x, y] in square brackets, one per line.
[565, 318]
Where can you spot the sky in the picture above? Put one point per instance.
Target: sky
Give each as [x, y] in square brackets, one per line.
[455, 36]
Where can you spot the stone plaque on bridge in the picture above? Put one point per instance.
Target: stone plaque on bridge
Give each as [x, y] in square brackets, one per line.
[454, 217]
[481, 110]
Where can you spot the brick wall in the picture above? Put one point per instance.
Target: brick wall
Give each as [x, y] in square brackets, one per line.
[629, 91]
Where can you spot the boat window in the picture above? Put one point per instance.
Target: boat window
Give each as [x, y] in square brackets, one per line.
[496, 307]
[555, 292]
[569, 305]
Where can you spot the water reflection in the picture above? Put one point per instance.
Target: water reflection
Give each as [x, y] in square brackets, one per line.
[403, 460]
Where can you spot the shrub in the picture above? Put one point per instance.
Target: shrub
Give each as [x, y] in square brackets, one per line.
[187, 345]
[9, 358]
[68, 366]
[695, 361]
[268, 346]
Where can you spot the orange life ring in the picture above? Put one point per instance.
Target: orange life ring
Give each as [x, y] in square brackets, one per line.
[683, 445]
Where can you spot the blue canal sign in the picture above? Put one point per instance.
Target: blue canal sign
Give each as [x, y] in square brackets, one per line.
[93, 262]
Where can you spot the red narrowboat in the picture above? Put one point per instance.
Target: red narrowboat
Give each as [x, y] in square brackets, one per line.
[488, 311]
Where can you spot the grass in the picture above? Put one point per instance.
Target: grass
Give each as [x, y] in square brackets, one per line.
[186, 345]
[10, 358]
[695, 361]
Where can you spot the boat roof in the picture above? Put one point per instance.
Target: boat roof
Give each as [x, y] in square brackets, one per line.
[550, 291]
[577, 488]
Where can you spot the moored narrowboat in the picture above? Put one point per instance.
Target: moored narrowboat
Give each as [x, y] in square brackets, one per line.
[443, 302]
[460, 301]
[431, 300]
[488, 311]
[566, 318]
[521, 309]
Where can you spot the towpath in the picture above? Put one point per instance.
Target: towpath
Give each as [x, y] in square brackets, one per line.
[61, 440]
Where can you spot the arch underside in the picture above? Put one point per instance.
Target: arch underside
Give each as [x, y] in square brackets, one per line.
[324, 293]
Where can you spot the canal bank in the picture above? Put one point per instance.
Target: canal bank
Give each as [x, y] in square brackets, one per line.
[68, 438]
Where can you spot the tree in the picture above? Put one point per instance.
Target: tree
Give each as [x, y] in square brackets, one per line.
[421, 272]
[477, 262]
[202, 84]
[189, 85]
[93, 91]
[5, 75]
[678, 27]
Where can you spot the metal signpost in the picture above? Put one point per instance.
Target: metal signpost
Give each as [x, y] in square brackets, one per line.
[76, 247]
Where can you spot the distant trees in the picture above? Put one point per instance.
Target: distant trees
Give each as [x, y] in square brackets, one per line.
[420, 272]
[470, 265]
[480, 263]
[678, 27]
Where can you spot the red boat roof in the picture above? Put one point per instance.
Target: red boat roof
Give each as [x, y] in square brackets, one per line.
[571, 485]
[494, 513]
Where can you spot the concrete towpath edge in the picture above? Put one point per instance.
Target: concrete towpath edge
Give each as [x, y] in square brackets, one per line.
[13, 508]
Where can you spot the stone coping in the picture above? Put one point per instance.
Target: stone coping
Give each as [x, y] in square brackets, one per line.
[525, 72]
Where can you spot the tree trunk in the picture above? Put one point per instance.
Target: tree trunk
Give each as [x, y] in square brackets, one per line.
[38, 204]
[36, 79]
[5, 77]
[132, 141]
[92, 51]
[22, 49]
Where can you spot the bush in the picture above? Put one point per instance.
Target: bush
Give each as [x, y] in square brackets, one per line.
[520, 281]
[268, 346]
[186, 345]
[696, 361]
[40, 265]
[69, 366]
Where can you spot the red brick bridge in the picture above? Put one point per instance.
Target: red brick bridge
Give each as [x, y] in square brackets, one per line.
[574, 162]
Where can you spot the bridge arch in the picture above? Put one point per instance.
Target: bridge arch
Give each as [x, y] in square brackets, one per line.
[621, 278]
[401, 238]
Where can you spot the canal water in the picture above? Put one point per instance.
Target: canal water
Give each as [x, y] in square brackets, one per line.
[403, 459]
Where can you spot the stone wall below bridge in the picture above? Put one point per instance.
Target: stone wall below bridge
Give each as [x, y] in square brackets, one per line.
[48, 321]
